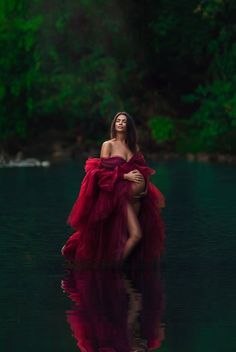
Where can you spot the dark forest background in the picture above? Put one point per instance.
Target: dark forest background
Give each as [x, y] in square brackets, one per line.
[67, 67]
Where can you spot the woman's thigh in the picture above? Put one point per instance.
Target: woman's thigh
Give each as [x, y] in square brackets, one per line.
[132, 220]
[137, 189]
[136, 206]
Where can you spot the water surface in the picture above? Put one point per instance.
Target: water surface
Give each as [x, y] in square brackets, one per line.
[190, 305]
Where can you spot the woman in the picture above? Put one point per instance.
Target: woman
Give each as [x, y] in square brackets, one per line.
[117, 212]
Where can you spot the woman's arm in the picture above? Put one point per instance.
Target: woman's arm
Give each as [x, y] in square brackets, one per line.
[105, 149]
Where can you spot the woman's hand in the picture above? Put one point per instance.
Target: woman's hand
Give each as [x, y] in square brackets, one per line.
[134, 176]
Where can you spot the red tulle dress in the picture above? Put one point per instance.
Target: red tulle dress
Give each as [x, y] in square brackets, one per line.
[99, 215]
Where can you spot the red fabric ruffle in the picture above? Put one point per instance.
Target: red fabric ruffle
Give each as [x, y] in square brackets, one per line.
[99, 214]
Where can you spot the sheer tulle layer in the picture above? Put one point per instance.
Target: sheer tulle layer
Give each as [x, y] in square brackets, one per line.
[99, 215]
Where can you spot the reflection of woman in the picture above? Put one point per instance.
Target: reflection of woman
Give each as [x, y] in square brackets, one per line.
[111, 314]
[117, 212]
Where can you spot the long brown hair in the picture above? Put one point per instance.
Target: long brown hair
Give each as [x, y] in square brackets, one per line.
[131, 134]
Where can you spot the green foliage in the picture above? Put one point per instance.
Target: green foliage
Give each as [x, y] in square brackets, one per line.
[19, 71]
[162, 128]
[73, 64]
[215, 118]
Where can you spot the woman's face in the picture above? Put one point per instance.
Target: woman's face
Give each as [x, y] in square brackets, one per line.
[121, 123]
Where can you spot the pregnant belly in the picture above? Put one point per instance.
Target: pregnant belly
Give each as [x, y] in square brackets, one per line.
[137, 188]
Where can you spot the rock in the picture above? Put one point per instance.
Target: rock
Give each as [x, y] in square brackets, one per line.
[60, 151]
[233, 158]
[26, 162]
[226, 158]
[170, 155]
[3, 158]
[203, 157]
[190, 156]
[45, 163]
[19, 156]
[30, 162]
[221, 158]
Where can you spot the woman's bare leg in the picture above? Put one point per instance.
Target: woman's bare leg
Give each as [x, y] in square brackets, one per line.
[134, 230]
[136, 205]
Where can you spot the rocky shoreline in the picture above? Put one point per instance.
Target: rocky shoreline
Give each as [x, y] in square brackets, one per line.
[201, 157]
[54, 146]
[61, 153]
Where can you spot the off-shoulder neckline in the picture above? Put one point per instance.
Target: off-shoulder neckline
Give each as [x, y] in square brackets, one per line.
[121, 157]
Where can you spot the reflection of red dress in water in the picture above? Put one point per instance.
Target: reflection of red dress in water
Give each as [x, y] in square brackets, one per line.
[113, 312]
[99, 215]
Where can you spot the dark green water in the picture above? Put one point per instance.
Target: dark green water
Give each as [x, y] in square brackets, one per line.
[195, 304]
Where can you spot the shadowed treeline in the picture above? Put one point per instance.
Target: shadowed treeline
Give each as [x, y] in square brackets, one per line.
[69, 66]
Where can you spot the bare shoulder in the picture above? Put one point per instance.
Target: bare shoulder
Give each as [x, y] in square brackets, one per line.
[106, 149]
[107, 143]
